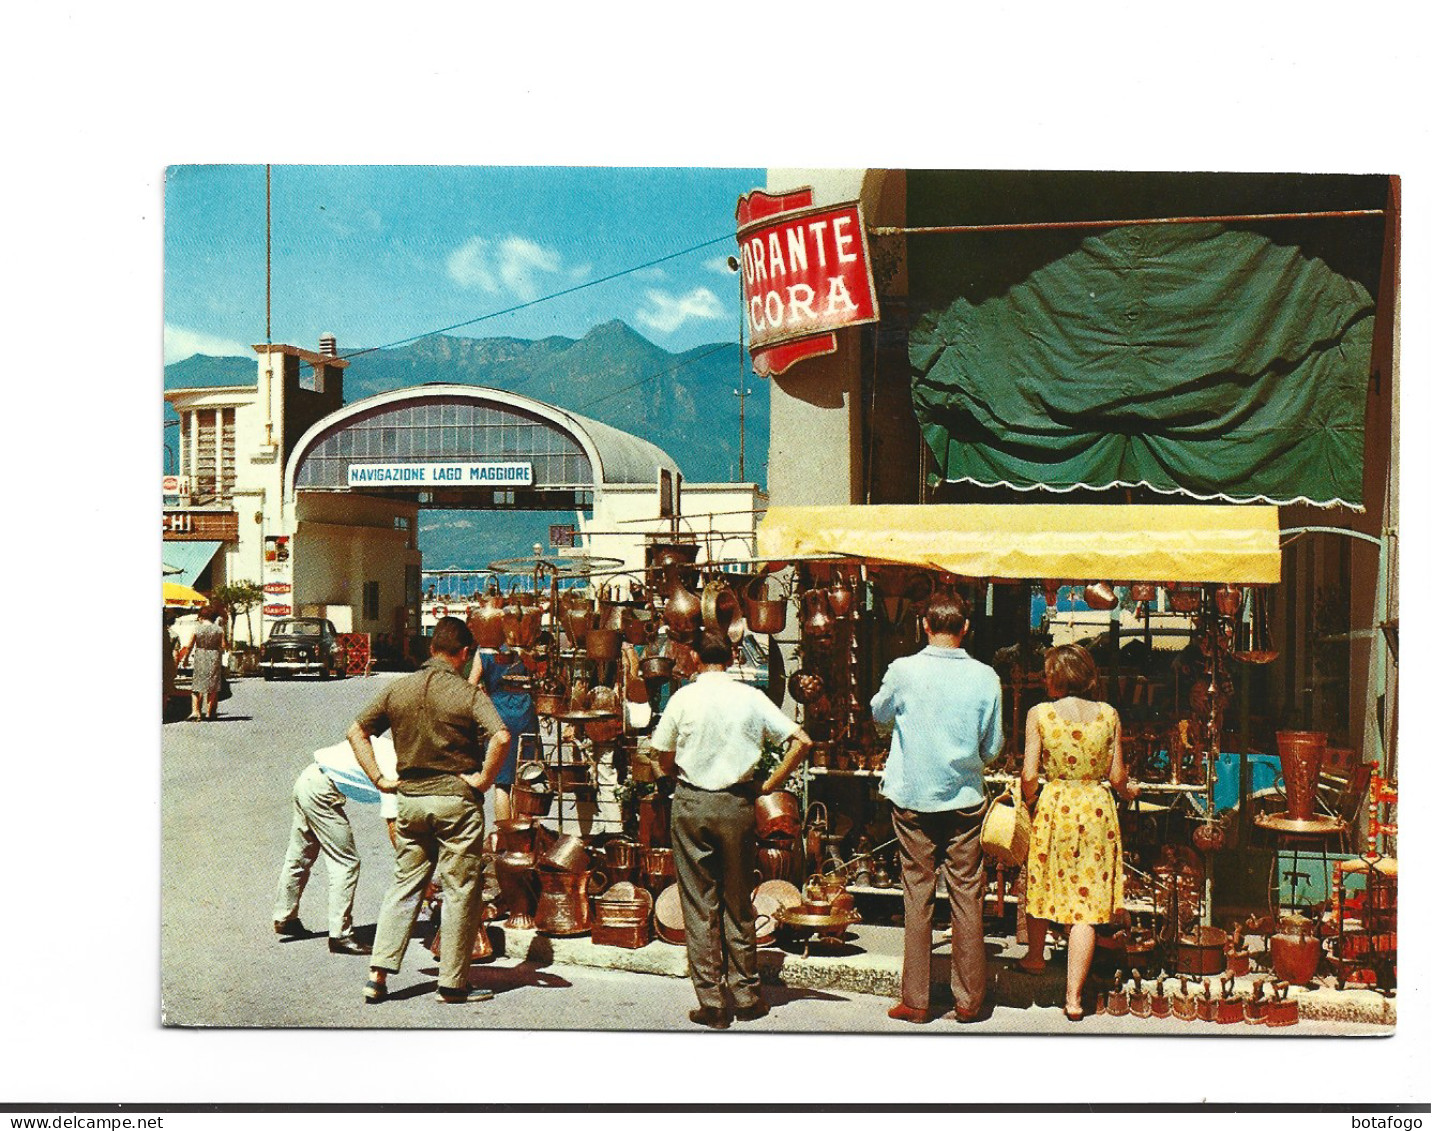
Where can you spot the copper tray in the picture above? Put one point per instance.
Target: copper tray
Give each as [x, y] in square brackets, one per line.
[586, 716]
[820, 923]
[1282, 823]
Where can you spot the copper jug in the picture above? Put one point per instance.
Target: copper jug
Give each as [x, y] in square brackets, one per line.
[1296, 950]
[1228, 599]
[817, 624]
[563, 907]
[517, 888]
[682, 613]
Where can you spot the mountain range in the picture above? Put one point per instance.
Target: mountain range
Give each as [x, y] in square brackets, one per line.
[682, 402]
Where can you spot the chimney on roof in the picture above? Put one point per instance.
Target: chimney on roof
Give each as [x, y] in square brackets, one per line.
[328, 345]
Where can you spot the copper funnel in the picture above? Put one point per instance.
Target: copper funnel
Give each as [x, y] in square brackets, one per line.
[1301, 752]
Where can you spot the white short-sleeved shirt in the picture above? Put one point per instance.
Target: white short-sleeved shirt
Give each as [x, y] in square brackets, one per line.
[341, 765]
[717, 726]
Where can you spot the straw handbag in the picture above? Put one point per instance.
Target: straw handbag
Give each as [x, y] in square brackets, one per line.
[1005, 833]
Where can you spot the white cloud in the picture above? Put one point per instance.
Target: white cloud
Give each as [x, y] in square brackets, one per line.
[650, 273]
[666, 312]
[181, 342]
[514, 265]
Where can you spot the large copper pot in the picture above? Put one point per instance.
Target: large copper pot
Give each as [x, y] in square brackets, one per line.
[1301, 752]
[517, 888]
[563, 907]
[763, 615]
[778, 862]
[565, 853]
[840, 596]
[778, 814]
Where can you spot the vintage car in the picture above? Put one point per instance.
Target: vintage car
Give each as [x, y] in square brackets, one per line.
[303, 646]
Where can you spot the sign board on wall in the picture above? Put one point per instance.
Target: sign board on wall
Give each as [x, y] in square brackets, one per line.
[277, 609]
[440, 475]
[805, 272]
[176, 485]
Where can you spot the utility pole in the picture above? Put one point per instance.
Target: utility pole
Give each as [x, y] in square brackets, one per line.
[742, 392]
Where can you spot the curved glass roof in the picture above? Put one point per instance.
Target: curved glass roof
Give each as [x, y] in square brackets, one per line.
[453, 424]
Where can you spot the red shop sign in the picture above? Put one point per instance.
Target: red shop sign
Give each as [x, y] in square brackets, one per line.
[277, 587]
[805, 272]
[277, 610]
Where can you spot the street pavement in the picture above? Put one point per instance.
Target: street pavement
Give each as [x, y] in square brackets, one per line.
[226, 811]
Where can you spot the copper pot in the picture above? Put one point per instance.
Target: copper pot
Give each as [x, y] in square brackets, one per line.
[1228, 599]
[563, 906]
[668, 562]
[840, 596]
[531, 803]
[565, 853]
[517, 888]
[778, 862]
[656, 667]
[658, 868]
[622, 855]
[778, 814]
[1144, 591]
[1100, 595]
[763, 615]
[1208, 837]
[518, 834]
[1185, 599]
[666, 914]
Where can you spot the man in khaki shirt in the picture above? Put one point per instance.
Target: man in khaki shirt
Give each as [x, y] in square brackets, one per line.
[438, 721]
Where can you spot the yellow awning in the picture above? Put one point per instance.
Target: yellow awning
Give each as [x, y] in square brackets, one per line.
[1039, 540]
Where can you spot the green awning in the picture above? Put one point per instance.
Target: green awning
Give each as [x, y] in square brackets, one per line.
[1191, 359]
[187, 559]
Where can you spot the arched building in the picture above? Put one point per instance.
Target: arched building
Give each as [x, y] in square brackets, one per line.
[318, 500]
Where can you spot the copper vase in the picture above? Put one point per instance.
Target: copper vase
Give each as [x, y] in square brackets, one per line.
[1301, 752]
[517, 888]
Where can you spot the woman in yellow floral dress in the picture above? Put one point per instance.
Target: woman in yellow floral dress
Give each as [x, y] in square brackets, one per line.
[1075, 869]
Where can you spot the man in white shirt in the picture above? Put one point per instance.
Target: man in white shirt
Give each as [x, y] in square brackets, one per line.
[320, 825]
[711, 736]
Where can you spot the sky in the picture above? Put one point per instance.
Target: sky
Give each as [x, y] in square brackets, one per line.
[379, 254]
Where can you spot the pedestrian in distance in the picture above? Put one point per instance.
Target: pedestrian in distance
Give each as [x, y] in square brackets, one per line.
[1076, 866]
[450, 743]
[711, 736]
[945, 710]
[207, 649]
[321, 827]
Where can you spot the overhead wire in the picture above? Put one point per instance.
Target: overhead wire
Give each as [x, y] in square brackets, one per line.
[541, 298]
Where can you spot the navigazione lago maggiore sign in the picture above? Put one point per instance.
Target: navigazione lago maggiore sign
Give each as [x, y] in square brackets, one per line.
[440, 475]
[805, 272]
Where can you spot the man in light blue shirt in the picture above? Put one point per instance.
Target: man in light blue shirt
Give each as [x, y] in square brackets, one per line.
[945, 708]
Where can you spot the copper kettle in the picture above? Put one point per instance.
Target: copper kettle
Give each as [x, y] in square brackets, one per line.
[486, 623]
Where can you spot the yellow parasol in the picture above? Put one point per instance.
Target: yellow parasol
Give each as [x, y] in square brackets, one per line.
[181, 596]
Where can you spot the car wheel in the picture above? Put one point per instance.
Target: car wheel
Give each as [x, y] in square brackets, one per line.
[268, 677]
[323, 671]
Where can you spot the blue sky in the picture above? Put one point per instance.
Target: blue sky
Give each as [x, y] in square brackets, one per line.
[376, 254]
